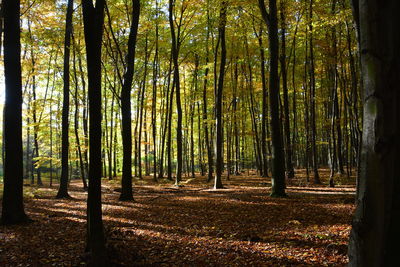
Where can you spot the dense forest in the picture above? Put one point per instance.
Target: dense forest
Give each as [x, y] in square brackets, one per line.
[147, 104]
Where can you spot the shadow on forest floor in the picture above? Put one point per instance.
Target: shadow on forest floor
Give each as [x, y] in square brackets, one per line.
[192, 225]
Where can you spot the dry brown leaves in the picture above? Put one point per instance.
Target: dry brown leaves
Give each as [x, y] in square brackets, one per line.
[192, 225]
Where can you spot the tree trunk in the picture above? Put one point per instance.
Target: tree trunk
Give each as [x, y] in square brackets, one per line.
[219, 161]
[375, 232]
[175, 55]
[286, 124]
[154, 98]
[76, 121]
[12, 205]
[210, 159]
[278, 168]
[264, 119]
[93, 18]
[63, 189]
[142, 97]
[126, 125]
[312, 102]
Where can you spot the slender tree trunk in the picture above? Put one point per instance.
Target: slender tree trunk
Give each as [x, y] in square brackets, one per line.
[126, 125]
[286, 124]
[110, 138]
[154, 99]
[166, 125]
[169, 137]
[219, 162]
[63, 189]
[192, 112]
[84, 113]
[142, 107]
[264, 119]
[200, 143]
[312, 102]
[235, 119]
[36, 128]
[76, 121]
[205, 116]
[28, 142]
[169, 125]
[175, 55]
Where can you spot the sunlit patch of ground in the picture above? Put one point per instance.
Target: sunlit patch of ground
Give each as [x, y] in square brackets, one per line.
[239, 225]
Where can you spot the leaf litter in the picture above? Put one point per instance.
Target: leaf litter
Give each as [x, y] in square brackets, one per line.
[190, 226]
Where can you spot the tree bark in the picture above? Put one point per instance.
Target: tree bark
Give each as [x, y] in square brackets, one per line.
[126, 125]
[93, 18]
[154, 97]
[312, 100]
[219, 161]
[12, 205]
[63, 188]
[175, 55]
[278, 168]
[288, 144]
[375, 228]
[264, 119]
[210, 158]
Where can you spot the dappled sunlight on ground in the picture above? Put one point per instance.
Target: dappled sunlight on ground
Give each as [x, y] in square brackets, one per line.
[191, 225]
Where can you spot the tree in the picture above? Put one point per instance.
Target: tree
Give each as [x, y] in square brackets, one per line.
[278, 165]
[219, 161]
[126, 182]
[205, 123]
[375, 232]
[13, 207]
[93, 18]
[63, 189]
[176, 43]
[288, 144]
[264, 120]
[312, 98]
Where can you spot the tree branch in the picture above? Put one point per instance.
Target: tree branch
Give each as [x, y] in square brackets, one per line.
[264, 13]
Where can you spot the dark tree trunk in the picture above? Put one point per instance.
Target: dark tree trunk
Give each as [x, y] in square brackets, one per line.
[278, 168]
[375, 232]
[35, 130]
[84, 114]
[142, 95]
[286, 124]
[210, 159]
[253, 113]
[200, 144]
[312, 101]
[76, 121]
[175, 55]
[63, 189]
[235, 120]
[12, 205]
[154, 98]
[34, 113]
[166, 125]
[219, 161]
[192, 112]
[93, 18]
[126, 182]
[169, 125]
[264, 119]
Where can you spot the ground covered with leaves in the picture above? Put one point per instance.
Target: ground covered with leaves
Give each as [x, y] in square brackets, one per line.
[194, 225]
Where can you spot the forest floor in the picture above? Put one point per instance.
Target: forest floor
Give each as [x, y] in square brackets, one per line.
[192, 225]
